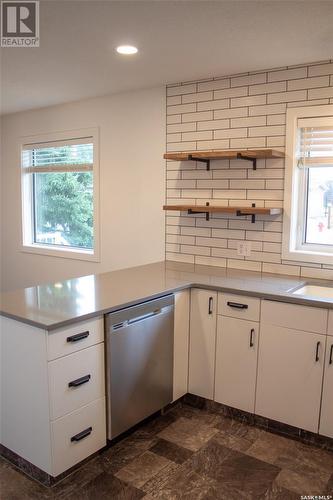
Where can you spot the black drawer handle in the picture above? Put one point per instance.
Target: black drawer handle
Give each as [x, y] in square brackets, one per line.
[79, 381]
[210, 305]
[252, 332]
[237, 305]
[81, 435]
[78, 336]
[317, 352]
[331, 355]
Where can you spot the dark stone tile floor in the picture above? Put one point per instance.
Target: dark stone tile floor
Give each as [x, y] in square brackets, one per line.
[189, 453]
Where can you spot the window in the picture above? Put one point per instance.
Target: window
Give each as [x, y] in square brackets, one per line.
[308, 220]
[59, 179]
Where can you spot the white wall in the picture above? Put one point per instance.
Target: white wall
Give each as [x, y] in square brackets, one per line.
[132, 185]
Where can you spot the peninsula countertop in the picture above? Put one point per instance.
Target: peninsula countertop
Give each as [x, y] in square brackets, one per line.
[59, 304]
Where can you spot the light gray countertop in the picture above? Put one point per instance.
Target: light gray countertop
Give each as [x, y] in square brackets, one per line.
[58, 304]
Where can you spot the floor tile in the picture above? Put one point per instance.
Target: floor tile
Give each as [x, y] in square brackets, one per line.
[235, 470]
[276, 492]
[234, 442]
[14, 485]
[301, 483]
[143, 468]
[307, 459]
[189, 433]
[106, 487]
[269, 447]
[171, 451]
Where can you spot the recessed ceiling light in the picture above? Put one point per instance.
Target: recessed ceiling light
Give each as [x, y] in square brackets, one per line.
[126, 49]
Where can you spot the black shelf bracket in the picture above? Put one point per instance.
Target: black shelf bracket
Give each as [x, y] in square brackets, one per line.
[203, 160]
[240, 156]
[239, 213]
[207, 214]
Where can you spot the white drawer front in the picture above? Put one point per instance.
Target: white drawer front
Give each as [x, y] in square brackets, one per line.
[71, 370]
[239, 306]
[308, 319]
[71, 339]
[68, 452]
[330, 323]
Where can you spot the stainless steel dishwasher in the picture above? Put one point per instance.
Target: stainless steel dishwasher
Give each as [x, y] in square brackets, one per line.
[139, 362]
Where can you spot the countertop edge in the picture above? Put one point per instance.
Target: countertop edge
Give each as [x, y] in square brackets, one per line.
[279, 297]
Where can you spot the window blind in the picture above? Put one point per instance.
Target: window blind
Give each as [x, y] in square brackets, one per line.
[315, 146]
[75, 155]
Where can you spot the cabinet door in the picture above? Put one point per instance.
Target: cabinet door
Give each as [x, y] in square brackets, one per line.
[202, 342]
[326, 420]
[290, 371]
[236, 362]
[181, 340]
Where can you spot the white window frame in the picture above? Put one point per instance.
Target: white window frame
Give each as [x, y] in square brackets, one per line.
[294, 193]
[27, 243]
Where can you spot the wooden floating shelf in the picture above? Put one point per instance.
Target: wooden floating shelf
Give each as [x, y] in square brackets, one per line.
[242, 154]
[209, 209]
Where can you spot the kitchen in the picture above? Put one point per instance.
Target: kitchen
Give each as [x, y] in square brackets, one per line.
[167, 268]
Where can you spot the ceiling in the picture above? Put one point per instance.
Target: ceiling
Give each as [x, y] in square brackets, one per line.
[177, 40]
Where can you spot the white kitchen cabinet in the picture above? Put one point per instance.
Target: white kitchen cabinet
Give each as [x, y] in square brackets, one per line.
[181, 343]
[326, 418]
[304, 318]
[330, 323]
[202, 342]
[237, 345]
[35, 392]
[290, 371]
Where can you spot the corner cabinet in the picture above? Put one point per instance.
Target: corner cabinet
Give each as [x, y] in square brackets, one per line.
[268, 358]
[181, 343]
[202, 343]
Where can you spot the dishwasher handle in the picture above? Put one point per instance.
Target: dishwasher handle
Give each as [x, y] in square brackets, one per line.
[138, 319]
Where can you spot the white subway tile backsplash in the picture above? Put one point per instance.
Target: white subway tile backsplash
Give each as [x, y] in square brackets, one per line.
[309, 83]
[214, 84]
[269, 109]
[237, 112]
[244, 265]
[214, 144]
[181, 89]
[200, 96]
[321, 69]
[247, 184]
[225, 194]
[230, 133]
[294, 95]
[181, 108]
[181, 127]
[210, 261]
[276, 119]
[252, 121]
[287, 74]
[213, 124]
[251, 142]
[230, 113]
[267, 88]
[219, 104]
[268, 130]
[239, 81]
[321, 93]
[213, 184]
[233, 92]
[197, 136]
[256, 100]
[197, 116]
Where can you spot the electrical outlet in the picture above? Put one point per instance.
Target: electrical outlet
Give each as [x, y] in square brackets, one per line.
[244, 248]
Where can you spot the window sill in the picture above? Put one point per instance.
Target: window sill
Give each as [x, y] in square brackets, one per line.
[67, 253]
[308, 256]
